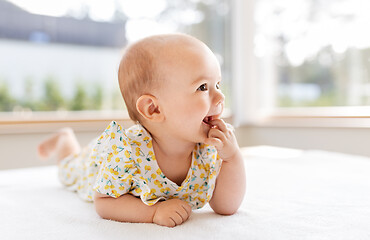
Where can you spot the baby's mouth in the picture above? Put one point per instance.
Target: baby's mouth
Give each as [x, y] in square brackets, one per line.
[207, 120]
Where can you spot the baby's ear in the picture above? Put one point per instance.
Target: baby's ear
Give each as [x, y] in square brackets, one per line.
[148, 107]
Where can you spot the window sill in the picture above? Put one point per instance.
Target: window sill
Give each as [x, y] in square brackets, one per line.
[321, 117]
[43, 122]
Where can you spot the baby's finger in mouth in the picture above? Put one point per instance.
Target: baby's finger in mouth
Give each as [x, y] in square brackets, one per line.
[219, 123]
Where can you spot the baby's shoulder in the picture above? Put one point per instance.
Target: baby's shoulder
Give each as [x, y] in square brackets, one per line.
[138, 133]
[141, 144]
[134, 133]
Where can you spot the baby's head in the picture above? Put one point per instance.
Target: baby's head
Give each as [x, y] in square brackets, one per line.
[141, 70]
[155, 67]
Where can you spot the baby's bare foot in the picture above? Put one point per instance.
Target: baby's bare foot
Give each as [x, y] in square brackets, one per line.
[60, 145]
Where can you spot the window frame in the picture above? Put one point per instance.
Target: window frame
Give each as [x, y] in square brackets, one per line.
[245, 111]
[32, 122]
[46, 122]
[253, 104]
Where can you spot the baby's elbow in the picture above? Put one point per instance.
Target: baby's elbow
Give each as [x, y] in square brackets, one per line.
[103, 214]
[224, 209]
[100, 207]
[100, 210]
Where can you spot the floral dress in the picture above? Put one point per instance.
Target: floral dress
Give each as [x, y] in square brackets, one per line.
[123, 162]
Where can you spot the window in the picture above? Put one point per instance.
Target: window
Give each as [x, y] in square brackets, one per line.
[63, 55]
[313, 53]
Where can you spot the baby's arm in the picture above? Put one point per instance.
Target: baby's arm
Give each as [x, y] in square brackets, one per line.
[128, 208]
[230, 184]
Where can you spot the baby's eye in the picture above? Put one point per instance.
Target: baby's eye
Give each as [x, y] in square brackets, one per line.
[218, 85]
[203, 87]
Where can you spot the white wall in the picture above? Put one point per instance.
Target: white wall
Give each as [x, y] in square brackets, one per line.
[18, 142]
[345, 140]
[19, 149]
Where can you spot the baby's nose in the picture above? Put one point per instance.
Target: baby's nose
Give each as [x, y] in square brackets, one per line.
[219, 107]
[219, 98]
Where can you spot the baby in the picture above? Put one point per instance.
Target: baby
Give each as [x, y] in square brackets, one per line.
[179, 156]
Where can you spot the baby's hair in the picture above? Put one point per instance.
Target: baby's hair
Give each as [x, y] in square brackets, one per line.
[139, 73]
[136, 74]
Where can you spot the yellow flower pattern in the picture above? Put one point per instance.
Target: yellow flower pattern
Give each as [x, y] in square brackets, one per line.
[123, 162]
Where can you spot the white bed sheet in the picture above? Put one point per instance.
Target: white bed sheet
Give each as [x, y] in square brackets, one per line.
[291, 194]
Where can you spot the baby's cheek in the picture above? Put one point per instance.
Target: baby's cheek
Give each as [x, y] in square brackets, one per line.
[202, 107]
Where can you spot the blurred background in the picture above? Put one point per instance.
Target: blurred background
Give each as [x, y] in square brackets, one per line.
[320, 50]
[295, 73]
[63, 55]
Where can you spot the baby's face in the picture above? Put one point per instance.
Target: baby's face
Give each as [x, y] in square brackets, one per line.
[191, 94]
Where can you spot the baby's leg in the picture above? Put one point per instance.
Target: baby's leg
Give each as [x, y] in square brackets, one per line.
[60, 145]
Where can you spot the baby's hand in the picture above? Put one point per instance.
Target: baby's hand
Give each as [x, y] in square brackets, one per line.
[171, 213]
[223, 138]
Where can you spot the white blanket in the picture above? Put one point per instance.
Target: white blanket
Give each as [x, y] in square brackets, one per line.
[291, 194]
